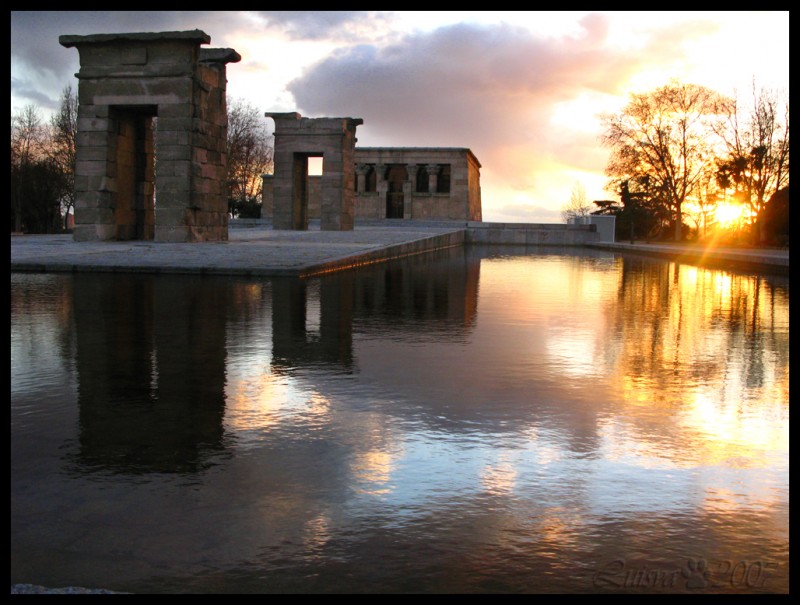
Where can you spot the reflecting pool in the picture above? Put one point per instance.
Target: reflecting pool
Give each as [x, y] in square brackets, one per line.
[479, 420]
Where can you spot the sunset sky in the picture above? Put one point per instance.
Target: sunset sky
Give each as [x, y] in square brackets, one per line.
[522, 90]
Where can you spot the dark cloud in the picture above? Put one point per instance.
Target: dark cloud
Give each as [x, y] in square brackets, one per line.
[48, 66]
[32, 94]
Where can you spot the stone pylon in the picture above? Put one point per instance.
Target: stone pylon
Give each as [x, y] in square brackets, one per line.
[296, 140]
[151, 157]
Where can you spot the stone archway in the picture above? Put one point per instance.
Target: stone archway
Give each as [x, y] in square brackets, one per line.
[125, 81]
[296, 140]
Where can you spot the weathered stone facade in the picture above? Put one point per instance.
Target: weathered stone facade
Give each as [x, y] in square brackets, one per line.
[296, 140]
[423, 183]
[142, 97]
[426, 183]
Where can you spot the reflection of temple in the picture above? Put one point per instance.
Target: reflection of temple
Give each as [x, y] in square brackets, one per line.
[427, 296]
[293, 345]
[151, 372]
[439, 290]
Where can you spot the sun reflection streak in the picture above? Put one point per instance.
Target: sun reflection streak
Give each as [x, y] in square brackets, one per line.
[734, 433]
[500, 478]
[317, 532]
[372, 471]
[259, 403]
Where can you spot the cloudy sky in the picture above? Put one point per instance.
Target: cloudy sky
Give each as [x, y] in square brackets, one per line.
[523, 90]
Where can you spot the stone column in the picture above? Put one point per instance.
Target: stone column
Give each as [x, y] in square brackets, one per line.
[409, 189]
[95, 170]
[412, 176]
[381, 184]
[267, 181]
[433, 177]
[361, 174]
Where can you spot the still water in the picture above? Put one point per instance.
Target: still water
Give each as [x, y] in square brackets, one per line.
[480, 420]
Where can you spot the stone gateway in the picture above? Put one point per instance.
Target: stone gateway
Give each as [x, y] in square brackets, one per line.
[151, 158]
[297, 139]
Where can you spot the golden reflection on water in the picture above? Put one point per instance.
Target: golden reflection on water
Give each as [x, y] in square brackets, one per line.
[500, 477]
[691, 363]
[693, 390]
[257, 402]
[372, 471]
[317, 532]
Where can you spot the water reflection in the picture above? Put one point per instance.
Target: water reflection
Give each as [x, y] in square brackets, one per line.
[427, 298]
[467, 421]
[713, 345]
[330, 344]
[150, 363]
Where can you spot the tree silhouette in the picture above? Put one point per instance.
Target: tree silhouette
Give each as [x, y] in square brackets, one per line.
[757, 161]
[664, 136]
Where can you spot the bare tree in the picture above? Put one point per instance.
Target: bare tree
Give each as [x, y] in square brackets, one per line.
[757, 162]
[577, 205]
[63, 137]
[664, 136]
[27, 147]
[250, 150]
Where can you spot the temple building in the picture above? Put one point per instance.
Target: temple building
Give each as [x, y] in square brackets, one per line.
[413, 183]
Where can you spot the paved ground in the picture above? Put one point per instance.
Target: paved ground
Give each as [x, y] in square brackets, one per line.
[256, 251]
[262, 251]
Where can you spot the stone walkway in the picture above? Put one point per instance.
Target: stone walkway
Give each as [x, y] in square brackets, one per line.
[264, 252]
[257, 251]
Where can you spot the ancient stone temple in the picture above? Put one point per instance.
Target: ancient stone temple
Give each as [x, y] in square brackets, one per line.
[419, 183]
[296, 140]
[412, 183]
[152, 129]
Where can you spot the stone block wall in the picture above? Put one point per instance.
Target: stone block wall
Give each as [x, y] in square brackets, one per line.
[530, 234]
[126, 84]
[461, 202]
[422, 201]
[297, 139]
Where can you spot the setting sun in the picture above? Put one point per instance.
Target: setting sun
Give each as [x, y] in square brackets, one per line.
[727, 214]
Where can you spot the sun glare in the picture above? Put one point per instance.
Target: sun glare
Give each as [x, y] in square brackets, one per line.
[727, 215]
